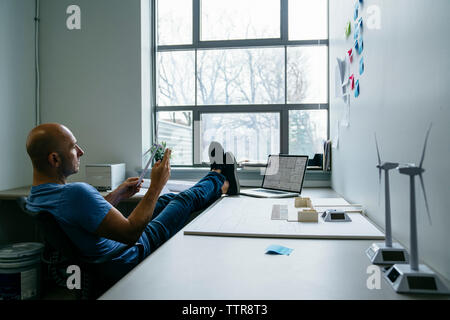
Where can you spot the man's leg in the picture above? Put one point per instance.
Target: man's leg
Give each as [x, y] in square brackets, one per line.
[162, 202]
[178, 208]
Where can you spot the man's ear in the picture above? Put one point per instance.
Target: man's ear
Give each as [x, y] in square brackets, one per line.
[54, 160]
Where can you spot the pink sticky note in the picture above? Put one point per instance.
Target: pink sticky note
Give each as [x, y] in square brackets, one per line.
[350, 55]
[352, 81]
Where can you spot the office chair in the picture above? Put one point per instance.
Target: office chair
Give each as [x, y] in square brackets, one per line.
[93, 280]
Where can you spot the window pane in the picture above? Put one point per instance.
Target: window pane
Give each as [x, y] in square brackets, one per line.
[307, 131]
[308, 19]
[250, 136]
[239, 19]
[175, 128]
[240, 76]
[307, 74]
[176, 78]
[174, 22]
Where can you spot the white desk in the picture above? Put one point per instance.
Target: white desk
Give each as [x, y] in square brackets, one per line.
[211, 268]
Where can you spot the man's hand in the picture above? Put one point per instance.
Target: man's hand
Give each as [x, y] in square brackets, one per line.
[129, 188]
[126, 190]
[160, 173]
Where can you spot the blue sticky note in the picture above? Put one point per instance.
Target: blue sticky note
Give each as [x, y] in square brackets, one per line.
[277, 249]
[356, 45]
[360, 45]
[356, 11]
[357, 89]
[360, 23]
[356, 34]
[361, 66]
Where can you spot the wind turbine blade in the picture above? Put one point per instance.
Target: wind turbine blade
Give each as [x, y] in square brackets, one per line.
[425, 146]
[425, 196]
[379, 169]
[378, 152]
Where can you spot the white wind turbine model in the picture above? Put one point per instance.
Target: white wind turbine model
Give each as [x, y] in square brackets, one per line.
[415, 278]
[387, 253]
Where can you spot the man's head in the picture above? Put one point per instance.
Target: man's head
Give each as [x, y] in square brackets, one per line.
[53, 150]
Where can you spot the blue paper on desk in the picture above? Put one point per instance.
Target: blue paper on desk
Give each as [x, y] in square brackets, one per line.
[277, 249]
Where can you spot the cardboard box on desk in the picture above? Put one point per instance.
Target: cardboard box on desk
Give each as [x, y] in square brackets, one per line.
[307, 212]
[105, 177]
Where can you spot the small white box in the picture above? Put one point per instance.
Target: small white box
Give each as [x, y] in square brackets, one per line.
[105, 176]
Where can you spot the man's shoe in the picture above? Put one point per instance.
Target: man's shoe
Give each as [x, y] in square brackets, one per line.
[230, 173]
[216, 156]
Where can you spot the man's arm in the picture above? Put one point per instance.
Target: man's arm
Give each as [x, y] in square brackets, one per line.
[128, 230]
[126, 190]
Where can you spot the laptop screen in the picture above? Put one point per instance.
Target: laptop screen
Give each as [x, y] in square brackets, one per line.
[285, 172]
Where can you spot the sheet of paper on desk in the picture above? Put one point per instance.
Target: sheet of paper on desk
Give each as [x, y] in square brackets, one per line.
[172, 185]
[279, 212]
[179, 185]
[251, 217]
[143, 191]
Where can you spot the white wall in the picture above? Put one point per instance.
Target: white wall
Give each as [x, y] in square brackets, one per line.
[404, 89]
[17, 83]
[91, 78]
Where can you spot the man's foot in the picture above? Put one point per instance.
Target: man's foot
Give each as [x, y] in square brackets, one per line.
[216, 156]
[226, 164]
[230, 173]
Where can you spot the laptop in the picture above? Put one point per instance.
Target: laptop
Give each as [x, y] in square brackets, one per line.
[283, 177]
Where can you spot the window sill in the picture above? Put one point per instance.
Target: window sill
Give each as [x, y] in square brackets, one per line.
[253, 177]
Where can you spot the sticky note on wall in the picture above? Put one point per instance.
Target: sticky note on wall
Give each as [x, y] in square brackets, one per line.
[352, 81]
[350, 55]
[348, 29]
[359, 24]
[360, 45]
[357, 89]
[361, 66]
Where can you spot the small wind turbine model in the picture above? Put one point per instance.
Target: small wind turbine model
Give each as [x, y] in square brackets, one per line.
[386, 253]
[415, 278]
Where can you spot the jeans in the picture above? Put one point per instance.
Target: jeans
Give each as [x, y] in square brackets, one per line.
[172, 211]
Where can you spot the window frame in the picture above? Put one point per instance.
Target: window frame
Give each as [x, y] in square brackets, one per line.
[283, 109]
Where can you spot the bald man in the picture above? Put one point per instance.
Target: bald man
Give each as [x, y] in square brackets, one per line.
[92, 222]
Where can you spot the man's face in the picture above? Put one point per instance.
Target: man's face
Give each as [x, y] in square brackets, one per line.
[70, 155]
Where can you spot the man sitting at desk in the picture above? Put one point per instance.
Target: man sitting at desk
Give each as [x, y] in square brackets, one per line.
[92, 222]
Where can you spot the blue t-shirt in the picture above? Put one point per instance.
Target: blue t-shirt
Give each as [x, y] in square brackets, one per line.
[79, 209]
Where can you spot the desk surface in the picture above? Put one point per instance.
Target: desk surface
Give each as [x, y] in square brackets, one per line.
[13, 194]
[231, 268]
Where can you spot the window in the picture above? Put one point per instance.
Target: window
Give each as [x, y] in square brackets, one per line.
[250, 74]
